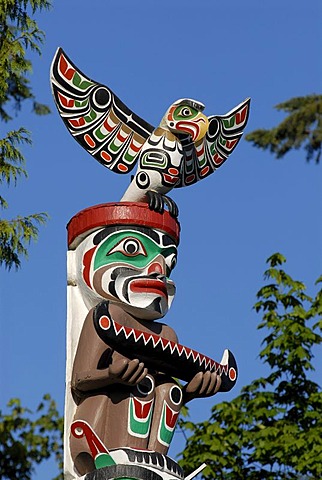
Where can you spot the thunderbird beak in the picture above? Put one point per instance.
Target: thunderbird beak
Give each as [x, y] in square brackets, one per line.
[197, 128]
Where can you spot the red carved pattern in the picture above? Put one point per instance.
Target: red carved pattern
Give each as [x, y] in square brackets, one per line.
[80, 429]
[170, 417]
[142, 409]
[65, 69]
[181, 350]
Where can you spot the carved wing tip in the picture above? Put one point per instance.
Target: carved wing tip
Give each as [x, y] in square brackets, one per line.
[59, 51]
[243, 103]
[57, 54]
[51, 72]
[246, 102]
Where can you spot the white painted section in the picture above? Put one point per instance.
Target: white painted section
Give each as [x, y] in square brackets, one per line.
[195, 472]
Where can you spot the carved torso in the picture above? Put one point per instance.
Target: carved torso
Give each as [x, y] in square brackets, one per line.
[122, 412]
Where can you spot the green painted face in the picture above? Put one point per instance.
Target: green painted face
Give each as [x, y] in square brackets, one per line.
[183, 112]
[135, 249]
[132, 267]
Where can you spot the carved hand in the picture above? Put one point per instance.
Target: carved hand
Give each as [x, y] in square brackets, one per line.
[123, 370]
[127, 372]
[202, 385]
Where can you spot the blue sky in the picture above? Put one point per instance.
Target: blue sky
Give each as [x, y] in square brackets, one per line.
[151, 53]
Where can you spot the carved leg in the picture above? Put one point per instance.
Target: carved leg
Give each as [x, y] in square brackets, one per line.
[121, 419]
[168, 402]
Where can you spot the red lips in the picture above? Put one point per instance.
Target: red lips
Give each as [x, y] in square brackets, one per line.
[149, 285]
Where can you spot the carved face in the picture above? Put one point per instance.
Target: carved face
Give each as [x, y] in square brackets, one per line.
[184, 117]
[131, 265]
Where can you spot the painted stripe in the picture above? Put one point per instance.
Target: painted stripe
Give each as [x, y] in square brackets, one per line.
[63, 65]
[122, 168]
[217, 159]
[240, 116]
[190, 178]
[77, 122]
[106, 156]
[90, 142]
[204, 171]
[65, 101]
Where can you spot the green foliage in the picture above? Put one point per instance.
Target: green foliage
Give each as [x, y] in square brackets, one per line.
[15, 235]
[301, 128]
[28, 438]
[19, 33]
[12, 160]
[273, 429]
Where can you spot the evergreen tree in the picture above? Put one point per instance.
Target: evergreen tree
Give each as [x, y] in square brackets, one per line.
[273, 429]
[19, 33]
[301, 128]
[26, 438]
[26, 441]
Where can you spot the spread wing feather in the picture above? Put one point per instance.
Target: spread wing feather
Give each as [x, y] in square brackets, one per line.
[96, 117]
[205, 156]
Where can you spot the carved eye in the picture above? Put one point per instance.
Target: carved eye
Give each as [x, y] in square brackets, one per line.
[131, 247]
[175, 394]
[185, 112]
[146, 386]
[142, 180]
[101, 99]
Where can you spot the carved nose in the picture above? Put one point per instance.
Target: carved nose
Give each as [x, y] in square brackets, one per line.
[156, 267]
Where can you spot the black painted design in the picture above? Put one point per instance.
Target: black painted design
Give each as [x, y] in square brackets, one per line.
[154, 459]
[175, 395]
[162, 354]
[205, 157]
[118, 138]
[123, 471]
[160, 238]
[99, 121]
[146, 386]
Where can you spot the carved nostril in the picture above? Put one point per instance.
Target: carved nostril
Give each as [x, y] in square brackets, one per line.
[156, 267]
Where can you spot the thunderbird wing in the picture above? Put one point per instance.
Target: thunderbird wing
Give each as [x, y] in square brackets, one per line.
[96, 117]
[205, 156]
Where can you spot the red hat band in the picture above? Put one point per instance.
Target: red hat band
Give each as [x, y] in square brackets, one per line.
[122, 213]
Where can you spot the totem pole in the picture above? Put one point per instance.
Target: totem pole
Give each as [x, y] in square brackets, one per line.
[122, 393]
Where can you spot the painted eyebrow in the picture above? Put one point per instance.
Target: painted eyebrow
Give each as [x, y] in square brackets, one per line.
[167, 240]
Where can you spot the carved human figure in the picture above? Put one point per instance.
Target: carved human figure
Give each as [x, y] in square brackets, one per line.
[125, 398]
